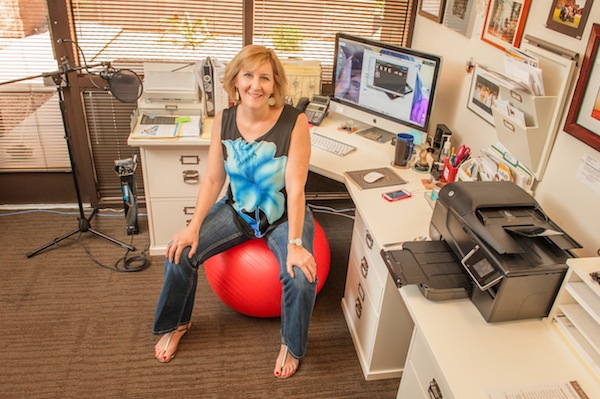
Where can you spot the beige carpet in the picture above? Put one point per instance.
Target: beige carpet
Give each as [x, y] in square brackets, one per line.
[72, 329]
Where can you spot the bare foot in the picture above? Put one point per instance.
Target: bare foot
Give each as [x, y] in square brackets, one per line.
[286, 364]
[166, 347]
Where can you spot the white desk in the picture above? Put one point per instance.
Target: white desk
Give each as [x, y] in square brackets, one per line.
[451, 341]
[378, 321]
[389, 222]
[468, 356]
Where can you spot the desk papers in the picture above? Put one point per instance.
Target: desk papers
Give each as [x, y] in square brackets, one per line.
[558, 390]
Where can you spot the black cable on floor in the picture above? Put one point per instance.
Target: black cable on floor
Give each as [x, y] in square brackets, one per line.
[125, 264]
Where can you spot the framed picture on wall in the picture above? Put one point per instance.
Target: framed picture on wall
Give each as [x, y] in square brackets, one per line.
[484, 91]
[583, 119]
[432, 9]
[569, 16]
[460, 16]
[505, 22]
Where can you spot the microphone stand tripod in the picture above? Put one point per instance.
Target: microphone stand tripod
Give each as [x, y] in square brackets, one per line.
[60, 80]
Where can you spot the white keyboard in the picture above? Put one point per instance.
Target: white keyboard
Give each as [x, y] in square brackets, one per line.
[330, 145]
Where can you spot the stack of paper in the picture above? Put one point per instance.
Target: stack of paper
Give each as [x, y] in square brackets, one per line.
[168, 126]
[524, 68]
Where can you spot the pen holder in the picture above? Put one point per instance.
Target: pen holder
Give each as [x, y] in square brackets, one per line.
[449, 172]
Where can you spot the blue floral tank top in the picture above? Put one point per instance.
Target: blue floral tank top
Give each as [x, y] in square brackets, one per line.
[256, 171]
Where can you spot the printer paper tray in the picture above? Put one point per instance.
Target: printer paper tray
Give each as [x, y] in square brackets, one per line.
[430, 264]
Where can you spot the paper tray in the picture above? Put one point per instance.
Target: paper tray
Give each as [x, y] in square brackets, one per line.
[432, 265]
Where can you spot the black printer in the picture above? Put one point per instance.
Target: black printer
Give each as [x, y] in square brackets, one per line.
[510, 252]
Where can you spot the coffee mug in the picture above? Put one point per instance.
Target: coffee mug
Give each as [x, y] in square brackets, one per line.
[404, 149]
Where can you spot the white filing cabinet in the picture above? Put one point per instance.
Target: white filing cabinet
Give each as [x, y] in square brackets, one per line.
[172, 171]
[377, 318]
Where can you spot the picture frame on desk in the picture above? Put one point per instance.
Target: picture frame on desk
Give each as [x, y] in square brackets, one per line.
[505, 22]
[459, 16]
[432, 9]
[583, 119]
[568, 21]
[484, 91]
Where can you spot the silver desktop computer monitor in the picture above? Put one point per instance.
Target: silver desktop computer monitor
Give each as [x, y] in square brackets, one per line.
[388, 87]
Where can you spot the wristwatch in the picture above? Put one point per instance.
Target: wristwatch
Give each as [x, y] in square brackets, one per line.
[296, 241]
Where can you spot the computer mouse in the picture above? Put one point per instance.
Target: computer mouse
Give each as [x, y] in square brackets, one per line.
[372, 177]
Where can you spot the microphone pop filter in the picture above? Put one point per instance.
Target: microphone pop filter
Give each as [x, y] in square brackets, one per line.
[125, 85]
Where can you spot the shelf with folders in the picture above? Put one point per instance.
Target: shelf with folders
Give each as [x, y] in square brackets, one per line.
[526, 141]
[531, 142]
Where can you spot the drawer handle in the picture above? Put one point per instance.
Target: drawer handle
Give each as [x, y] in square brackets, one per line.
[369, 240]
[188, 210]
[508, 125]
[191, 176]
[364, 267]
[358, 307]
[189, 159]
[434, 390]
[361, 292]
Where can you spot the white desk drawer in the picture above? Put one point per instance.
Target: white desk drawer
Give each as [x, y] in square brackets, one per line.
[362, 262]
[361, 313]
[427, 371]
[371, 249]
[409, 386]
[170, 216]
[174, 173]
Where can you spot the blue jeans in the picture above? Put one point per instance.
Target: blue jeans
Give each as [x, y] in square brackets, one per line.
[219, 232]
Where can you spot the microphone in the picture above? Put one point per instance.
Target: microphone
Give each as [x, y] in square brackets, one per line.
[124, 84]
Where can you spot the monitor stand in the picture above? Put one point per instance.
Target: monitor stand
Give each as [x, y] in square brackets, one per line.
[376, 134]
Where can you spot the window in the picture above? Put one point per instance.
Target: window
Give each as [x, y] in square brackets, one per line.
[129, 32]
[186, 30]
[307, 28]
[31, 128]
[132, 31]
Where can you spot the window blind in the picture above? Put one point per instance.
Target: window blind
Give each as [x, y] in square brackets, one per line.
[307, 28]
[31, 129]
[129, 32]
[142, 30]
[109, 124]
[180, 30]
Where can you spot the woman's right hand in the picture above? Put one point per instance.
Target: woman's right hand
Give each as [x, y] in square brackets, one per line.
[187, 237]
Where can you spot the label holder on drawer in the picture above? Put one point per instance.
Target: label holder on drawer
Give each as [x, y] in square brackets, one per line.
[189, 159]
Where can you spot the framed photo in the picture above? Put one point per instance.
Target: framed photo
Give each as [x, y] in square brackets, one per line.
[432, 9]
[484, 91]
[569, 16]
[505, 22]
[460, 16]
[583, 119]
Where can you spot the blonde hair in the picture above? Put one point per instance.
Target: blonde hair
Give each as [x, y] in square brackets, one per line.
[249, 58]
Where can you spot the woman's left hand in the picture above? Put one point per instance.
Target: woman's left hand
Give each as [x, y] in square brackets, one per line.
[299, 256]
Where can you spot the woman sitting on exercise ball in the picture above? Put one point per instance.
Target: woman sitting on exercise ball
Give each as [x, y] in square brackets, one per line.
[263, 146]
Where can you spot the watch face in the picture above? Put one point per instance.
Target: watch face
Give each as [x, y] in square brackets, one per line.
[297, 242]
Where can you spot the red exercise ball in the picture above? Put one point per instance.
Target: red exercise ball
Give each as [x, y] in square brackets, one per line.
[246, 277]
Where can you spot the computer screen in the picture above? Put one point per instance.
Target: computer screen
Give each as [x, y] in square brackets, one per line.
[393, 82]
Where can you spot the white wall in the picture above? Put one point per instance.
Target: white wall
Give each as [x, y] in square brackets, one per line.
[573, 205]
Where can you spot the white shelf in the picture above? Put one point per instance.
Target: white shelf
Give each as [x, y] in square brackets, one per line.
[576, 312]
[586, 298]
[578, 342]
[585, 326]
